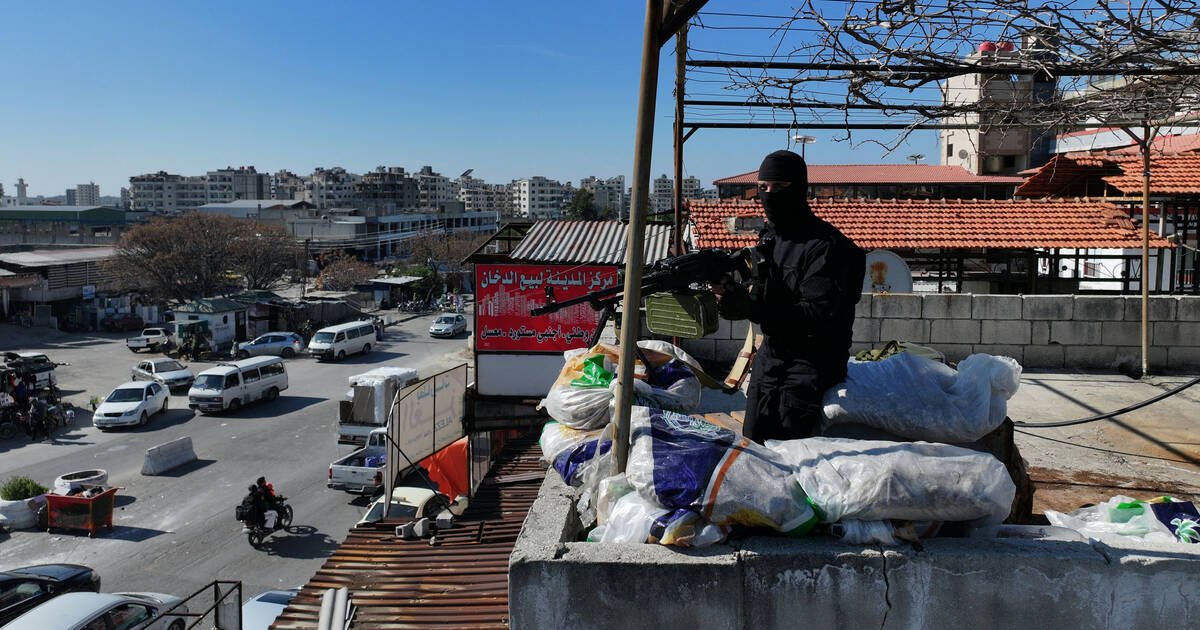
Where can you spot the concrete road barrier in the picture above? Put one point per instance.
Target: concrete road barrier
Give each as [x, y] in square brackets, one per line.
[164, 457]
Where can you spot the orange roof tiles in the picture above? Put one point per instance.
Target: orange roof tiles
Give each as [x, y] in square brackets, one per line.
[1071, 174]
[955, 224]
[1169, 175]
[1166, 145]
[819, 174]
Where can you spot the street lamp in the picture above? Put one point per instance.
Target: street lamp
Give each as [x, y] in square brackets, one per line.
[803, 140]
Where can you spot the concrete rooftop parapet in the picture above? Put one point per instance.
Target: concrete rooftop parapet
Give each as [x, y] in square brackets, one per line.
[815, 582]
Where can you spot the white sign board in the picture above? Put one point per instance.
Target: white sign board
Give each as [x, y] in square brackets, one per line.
[426, 417]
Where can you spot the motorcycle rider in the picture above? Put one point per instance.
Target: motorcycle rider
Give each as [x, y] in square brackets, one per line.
[253, 501]
[269, 499]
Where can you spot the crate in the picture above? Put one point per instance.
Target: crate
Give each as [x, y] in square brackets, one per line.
[689, 314]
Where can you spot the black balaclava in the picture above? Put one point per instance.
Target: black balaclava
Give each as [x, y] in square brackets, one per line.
[787, 208]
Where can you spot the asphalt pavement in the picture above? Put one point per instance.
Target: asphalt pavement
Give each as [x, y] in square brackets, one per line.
[176, 533]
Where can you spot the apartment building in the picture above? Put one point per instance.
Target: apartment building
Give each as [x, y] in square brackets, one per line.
[537, 198]
[230, 184]
[286, 185]
[433, 189]
[386, 190]
[85, 195]
[487, 198]
[166, 193]
[609, 194]
[330, 188]
[662, 193]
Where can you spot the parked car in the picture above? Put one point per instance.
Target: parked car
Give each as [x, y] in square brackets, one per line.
[259, 611]
[448, 325]
[103, 611]
[280, 344]
[130, 403]
[168, 372]
[151, 339]
[123, 321]
[24, 588]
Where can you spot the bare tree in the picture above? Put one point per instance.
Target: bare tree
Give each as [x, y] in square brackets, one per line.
[447, 249]
[263, 254]
[340, 272]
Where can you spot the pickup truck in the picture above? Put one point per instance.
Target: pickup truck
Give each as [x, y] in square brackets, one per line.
[151, 339]
[354, 472]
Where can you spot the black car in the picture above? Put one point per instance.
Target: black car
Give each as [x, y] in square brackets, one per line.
[22, 589]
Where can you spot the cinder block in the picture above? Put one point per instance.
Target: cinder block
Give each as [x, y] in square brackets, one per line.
[1183, 358]
[1187, 309]
[737, 329]
[1121, 333]
[1070, 333]
[954, 352]
[1099, 308]
[866, 330]
[954, 331]
[1002, 350]
[898, 305]
[855, 348]
[1129, 358]
[1052, 307]
[1162, 308]
[914, 330]
[863, 308]
[996, 306]
[726, 350]
[1005, 332]
[703, 349]
[1043, 356]
[1039, 333]
[946, 306]
[724, 329]
[1090, 357]
[1175, 333]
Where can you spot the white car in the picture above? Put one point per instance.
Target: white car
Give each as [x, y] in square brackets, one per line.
[448, 325]
[129, 404]
[166, 371]
[259, 611]
[102, 611]
[407, 504]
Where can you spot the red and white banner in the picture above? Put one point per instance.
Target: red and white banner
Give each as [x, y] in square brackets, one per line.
[504, 295]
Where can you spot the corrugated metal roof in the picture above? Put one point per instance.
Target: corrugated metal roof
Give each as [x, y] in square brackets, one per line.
[588, 242]
[51, 257]
[459, 582]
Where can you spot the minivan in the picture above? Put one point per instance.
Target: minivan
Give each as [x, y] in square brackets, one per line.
[335, 342]
[233, 384]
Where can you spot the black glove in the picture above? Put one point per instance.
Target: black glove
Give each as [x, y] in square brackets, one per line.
[734, 303]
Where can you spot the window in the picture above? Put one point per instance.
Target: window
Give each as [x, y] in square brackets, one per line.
[96, 624]
[127, 616]
[231, 380]
[366, 330]
[352, 333]
[271, 369]
[14, 593]
[250, 376]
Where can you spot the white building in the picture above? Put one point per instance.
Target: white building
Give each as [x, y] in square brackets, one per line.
[537, 198]
[165, 193]
[609, 195]
[87, 194]
[433, 189]
[330, 188]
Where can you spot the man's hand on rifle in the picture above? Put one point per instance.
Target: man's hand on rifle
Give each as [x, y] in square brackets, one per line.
[733, 300]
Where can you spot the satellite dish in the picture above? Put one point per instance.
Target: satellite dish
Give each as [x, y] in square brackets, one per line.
[962, 154]
[887, 273]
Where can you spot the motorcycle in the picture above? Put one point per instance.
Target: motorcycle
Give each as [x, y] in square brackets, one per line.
[256, 533]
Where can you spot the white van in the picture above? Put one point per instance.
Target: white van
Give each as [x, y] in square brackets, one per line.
[231, 385]
[335, 342]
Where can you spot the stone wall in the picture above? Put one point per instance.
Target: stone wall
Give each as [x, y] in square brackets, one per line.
[1039, 331]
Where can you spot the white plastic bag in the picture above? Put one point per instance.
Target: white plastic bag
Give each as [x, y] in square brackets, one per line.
[914, 481]
[1114, 522]
[856, 532]
[921, 399]
[684, 462]
[572, 452]
[608, 491]
[579, 407]
[631, 519]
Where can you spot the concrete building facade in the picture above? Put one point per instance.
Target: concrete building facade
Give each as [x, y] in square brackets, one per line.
[86, 195]
[330, 188]
[537, 198]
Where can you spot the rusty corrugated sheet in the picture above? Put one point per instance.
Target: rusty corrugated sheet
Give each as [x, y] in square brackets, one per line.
[587, 242]
[459, 581]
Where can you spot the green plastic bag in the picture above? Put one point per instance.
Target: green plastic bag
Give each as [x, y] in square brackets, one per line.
[594, 374]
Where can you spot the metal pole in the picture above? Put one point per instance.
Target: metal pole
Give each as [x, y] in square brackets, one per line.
[1145, 250]
[680, 70]
[635, 240]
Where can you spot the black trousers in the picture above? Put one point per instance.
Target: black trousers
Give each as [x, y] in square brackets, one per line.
[784, 398]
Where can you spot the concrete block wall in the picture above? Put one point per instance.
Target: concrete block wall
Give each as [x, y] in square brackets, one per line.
[1040, 331]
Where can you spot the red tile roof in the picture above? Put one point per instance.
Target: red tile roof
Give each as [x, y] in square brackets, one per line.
[955, 224]
[1169, 175]
[885, 174]
[1071, 175]
[1165, 145]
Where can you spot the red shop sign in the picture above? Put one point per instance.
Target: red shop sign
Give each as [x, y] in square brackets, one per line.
[504, 295]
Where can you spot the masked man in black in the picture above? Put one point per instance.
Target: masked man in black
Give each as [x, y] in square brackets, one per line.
[810, 279]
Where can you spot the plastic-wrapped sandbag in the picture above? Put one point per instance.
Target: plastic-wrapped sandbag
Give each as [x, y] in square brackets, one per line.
[631, 519]
[685, 528]
[684, 462]
[1119, 518]
[874, 480]
[571, 451]
[608, 491]
[856, 532]
[921, 399]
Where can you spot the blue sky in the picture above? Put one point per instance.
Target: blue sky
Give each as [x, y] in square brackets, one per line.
[102, 91]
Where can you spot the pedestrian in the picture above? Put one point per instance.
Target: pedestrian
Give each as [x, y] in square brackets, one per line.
[810, 279]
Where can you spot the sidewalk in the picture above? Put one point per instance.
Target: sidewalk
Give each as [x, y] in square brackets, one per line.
[1152, 451]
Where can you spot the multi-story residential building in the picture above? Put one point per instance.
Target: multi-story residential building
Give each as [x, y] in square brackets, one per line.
[433, 189]
[662, 195]
[229, 184]
[165, 193]
[386, 190]
[286, 185]
[70, 201]
[609, 194]
[487, 198]
[330, 188]
[125, 199]
[537, 198]
[86, 195]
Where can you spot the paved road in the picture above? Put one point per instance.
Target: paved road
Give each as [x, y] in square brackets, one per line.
[176, 533]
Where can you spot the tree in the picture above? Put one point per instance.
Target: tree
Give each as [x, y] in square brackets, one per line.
[263, 254]
[197, 254]
[447, 249]
[582, 206]
[340, 272]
